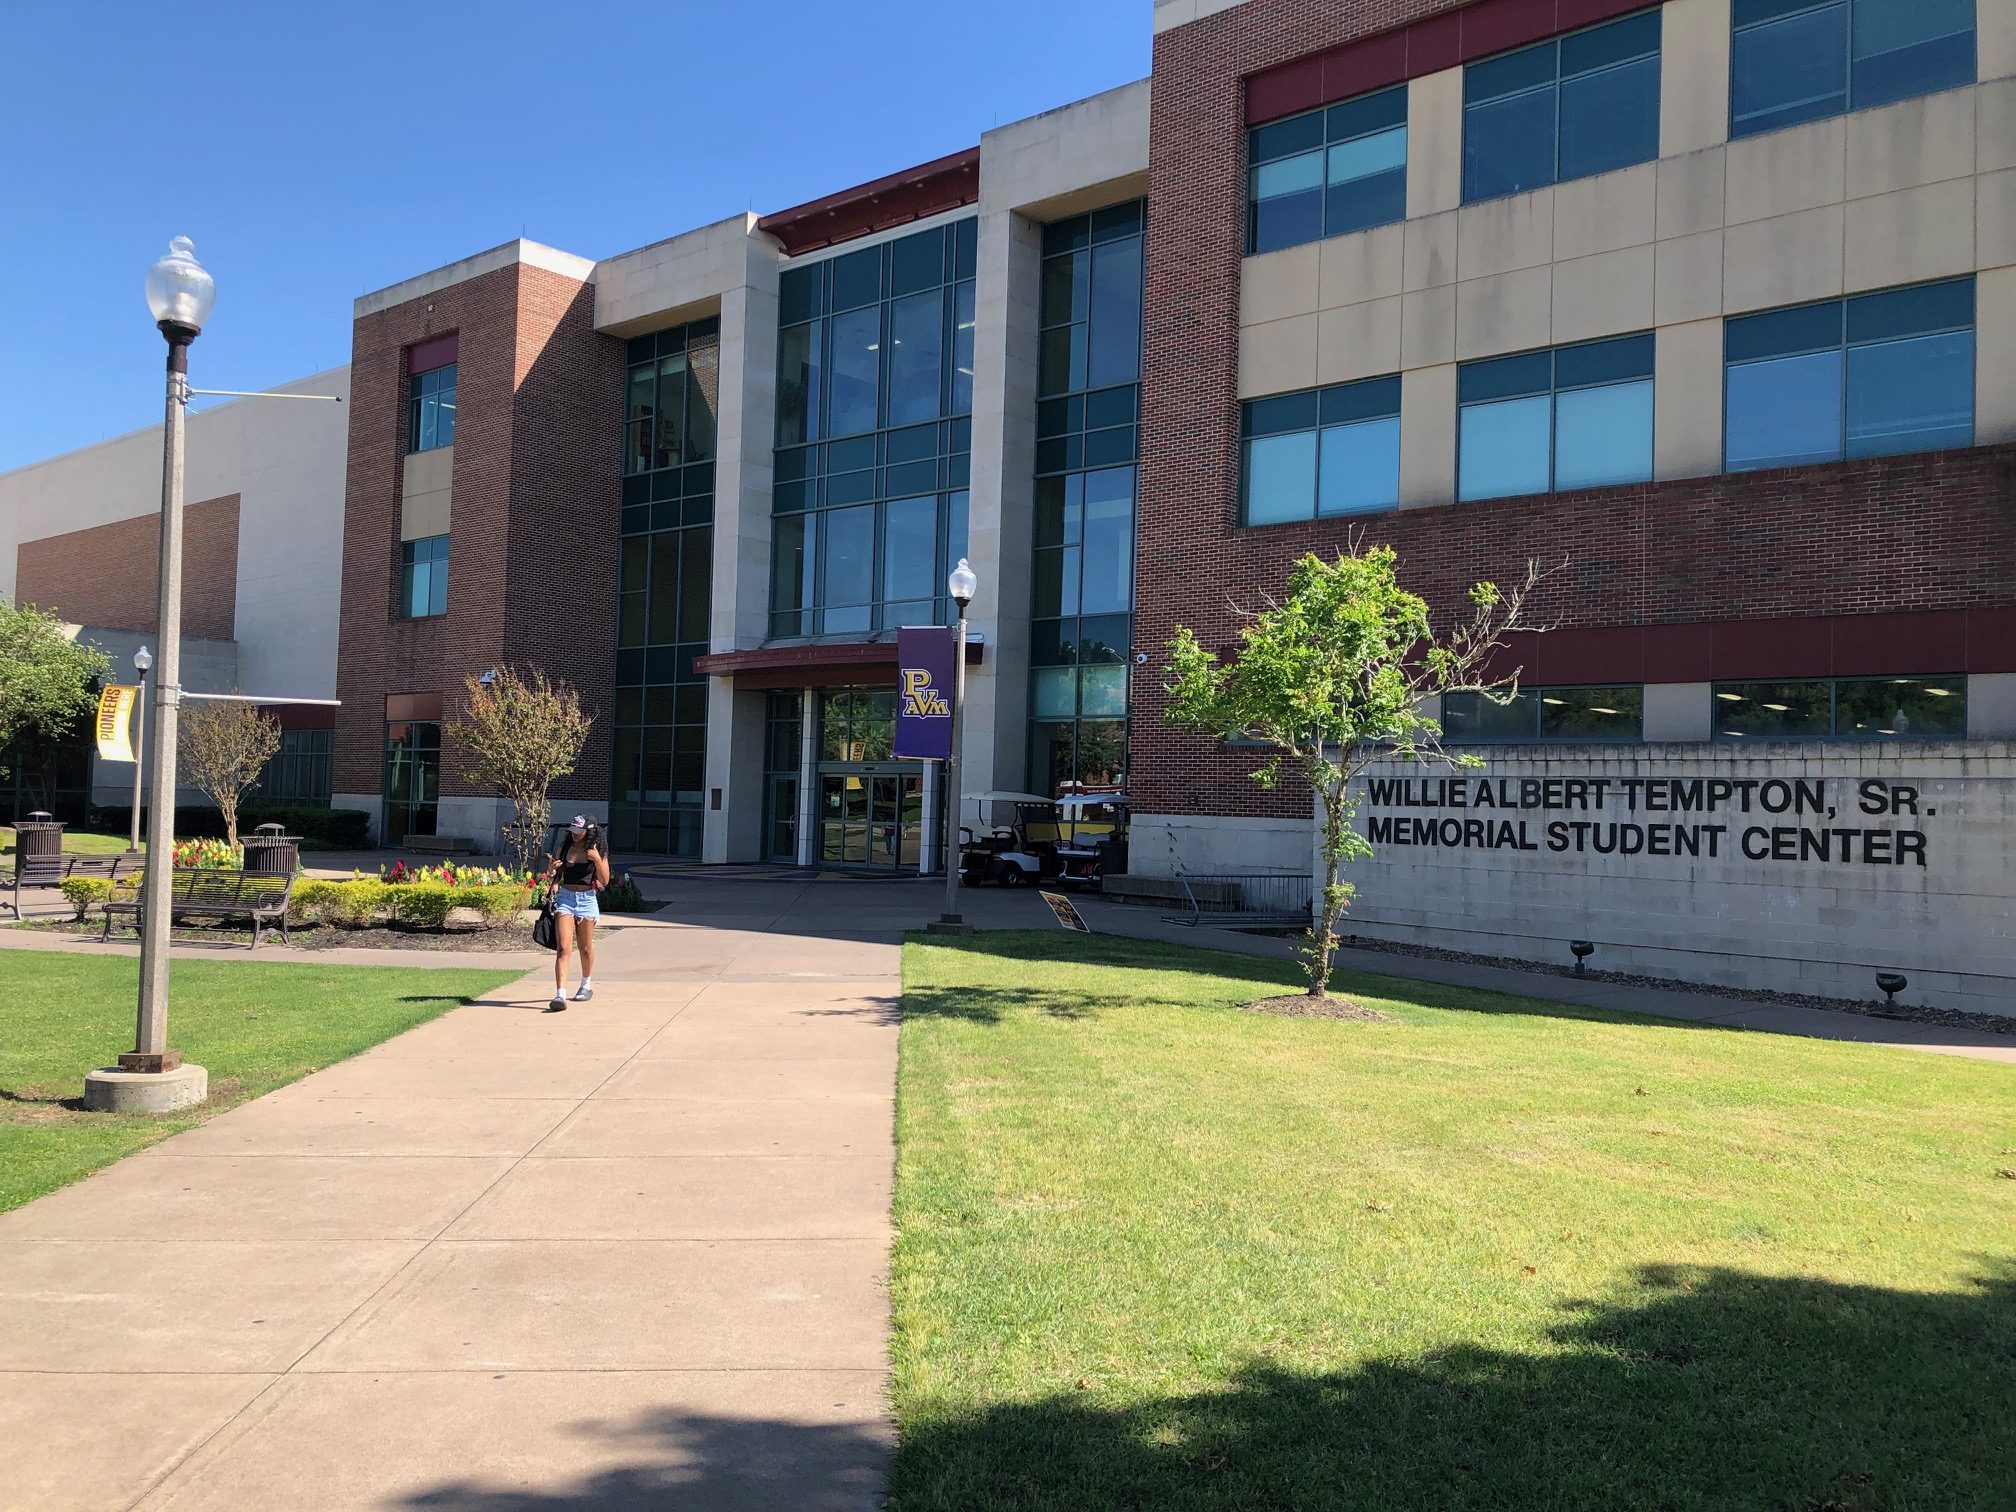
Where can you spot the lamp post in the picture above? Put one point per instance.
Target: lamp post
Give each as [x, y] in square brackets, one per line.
[962, 585]
[142, 660]
[152, 1077]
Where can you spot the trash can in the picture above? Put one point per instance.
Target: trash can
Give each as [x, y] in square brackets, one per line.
[270, 852]
[37, 835]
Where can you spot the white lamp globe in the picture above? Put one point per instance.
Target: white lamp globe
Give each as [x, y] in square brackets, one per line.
[142, 660]
[180, 290]
[963, 584]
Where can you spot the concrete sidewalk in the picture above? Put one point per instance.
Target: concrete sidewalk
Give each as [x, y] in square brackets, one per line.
[630, 1255]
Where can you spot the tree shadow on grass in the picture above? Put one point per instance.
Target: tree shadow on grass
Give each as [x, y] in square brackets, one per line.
[1696, 1390]
[989, 1005]
[1701, 1389]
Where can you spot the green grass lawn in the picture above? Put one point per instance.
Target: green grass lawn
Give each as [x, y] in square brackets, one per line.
[1157, 1253]
[252, 1027]
[76, 843]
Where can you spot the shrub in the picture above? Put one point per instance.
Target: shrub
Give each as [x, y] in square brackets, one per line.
[356, 904]
[86, 893]
[500, 903]
[623, 895]
[319, 828]
[422, 905]
[313, 900]
[337, 829]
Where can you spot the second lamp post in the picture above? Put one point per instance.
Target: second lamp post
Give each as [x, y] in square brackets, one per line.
[962, 585]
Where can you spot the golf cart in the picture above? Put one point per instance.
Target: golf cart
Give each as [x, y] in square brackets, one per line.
[1015, 842]
[1091, 837]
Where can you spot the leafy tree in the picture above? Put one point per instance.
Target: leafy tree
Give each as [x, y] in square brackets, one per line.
[220, 749]
[521, 733]
[1332, 679]
[48, 682]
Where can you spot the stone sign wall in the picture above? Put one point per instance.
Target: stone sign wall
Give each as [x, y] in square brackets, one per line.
[1800, 868]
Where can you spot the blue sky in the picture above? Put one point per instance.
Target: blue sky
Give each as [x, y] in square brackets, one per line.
[323, 149]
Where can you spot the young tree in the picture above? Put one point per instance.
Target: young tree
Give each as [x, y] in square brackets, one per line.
[1332, 679]
[520, 734]
[47, 682]
[221, 749]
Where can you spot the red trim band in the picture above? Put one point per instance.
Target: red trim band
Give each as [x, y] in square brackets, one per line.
[1428, 46]
[434, 352]
[943, 184]
[1914, 643]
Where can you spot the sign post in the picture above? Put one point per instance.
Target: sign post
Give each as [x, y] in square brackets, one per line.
[925, 671]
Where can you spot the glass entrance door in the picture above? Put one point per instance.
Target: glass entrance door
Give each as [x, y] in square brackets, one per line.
[871, 819]
[781, 823]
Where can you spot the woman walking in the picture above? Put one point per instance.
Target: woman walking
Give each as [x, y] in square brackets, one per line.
[578, 872]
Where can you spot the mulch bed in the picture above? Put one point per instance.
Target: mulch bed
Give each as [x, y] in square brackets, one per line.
[1301, 1005]
[1913, 1013]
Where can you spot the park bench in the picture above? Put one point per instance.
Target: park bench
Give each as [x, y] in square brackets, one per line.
[50, 871]
[205, 893]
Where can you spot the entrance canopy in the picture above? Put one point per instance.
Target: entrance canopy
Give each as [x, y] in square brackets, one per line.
[838, 665]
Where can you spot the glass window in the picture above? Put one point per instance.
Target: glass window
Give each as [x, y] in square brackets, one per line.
[916, 350]
[1082, 590]
[875, 383]
[1546, 714]
[1802, 60]
[1114, 345]
[1575, 417]
[1562, 109]
[910, 556]
[640, 419]
[1328, 172]
[848, 582]
[430, 415]
[1876, 375]
[962, 348]
[856, 372]
[1851, 708]
[1322, 452]
[1107, 536]
[798, 387]
[423, 577]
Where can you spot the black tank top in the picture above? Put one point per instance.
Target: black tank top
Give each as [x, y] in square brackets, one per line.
[577, 874]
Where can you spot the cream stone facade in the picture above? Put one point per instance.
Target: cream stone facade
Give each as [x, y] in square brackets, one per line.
[1907, 193]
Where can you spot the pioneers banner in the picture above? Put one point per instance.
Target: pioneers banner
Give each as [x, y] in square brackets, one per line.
[924, 693]
[115, 723]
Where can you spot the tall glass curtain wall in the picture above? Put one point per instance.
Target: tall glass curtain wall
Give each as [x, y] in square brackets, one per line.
[874, 432]
[664, 591]
[1088, 404]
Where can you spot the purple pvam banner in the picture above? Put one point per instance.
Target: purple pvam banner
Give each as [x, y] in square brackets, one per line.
[924, 693]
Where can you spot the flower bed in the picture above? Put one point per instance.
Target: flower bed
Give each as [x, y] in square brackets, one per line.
[484, 898]
[208, 855]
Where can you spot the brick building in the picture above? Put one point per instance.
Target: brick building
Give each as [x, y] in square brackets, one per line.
[80, 536]
[1709, 303]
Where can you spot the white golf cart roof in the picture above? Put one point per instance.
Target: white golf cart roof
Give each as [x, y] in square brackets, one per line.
[1092, 800]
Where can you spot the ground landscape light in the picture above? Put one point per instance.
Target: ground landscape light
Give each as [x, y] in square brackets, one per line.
[180, 290]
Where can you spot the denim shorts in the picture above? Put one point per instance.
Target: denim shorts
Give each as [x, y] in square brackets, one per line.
[578, 901]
